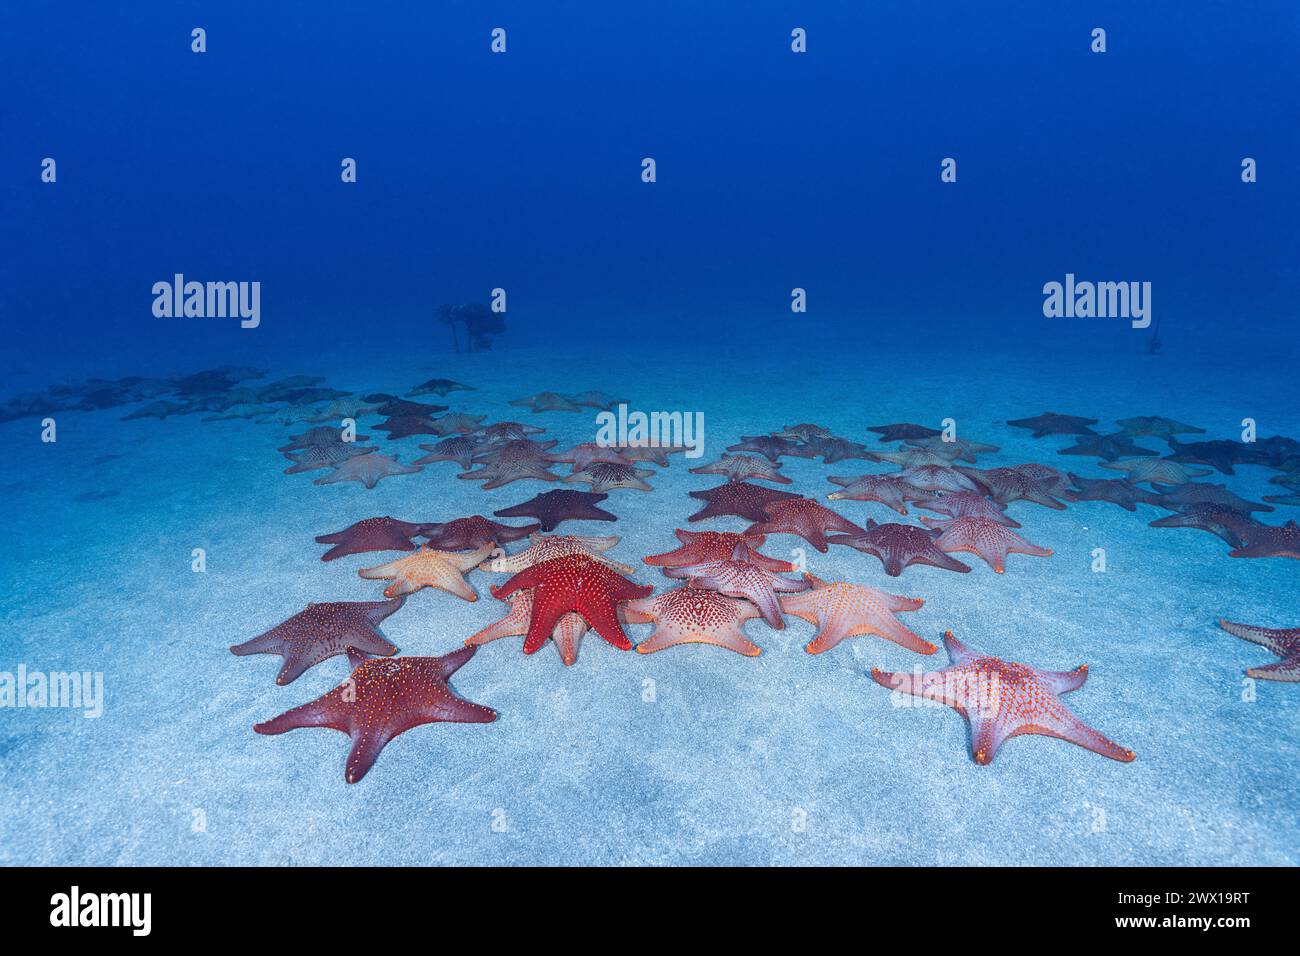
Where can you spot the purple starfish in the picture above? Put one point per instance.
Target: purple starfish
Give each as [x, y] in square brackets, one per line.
[370, 534]
[554, 507]
[322, 631]
[898, 546]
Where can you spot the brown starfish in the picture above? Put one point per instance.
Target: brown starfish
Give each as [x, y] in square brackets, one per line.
[553, 507]
[460, 449]
[609, 475]
[472, 533]
[514, 461]
[898, 546]
[903, 431]
[1118, 491]
[1050, 423]
[370, 534]
[738, 498]
[1271, 541]
[1233, 526]
[890, 490]
[1285, 643]
[322, 631]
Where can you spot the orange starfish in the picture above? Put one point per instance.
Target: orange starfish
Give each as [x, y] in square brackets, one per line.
[693, 615]
[843, 610]
[429, 568]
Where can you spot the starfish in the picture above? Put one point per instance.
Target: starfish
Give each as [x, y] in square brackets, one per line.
[457, 423]
[553, 507]
[909, 457]
[1284, 643]
[322, 456]
[544, 547]
[239, 411]
[390, 406]
[938, 478]
[368, 469]
[1220, 454]
[1118, 491]
[700, 547]
[472, 533]
[575, 582]
[738, 498]
[1108, 447]
[983, 537]
[320, 435]
[1051, 480]
[1233, 526]
[342, 408]
[1004, 699]
[1156, 471]
[160, 409]
[444, 570]
[1050, 423]
[958, 449]
[767, 446]
[890, 490]
[903, 431]
[740, 579]
[965, 504]
[900, 545]
[1271, 541]
[597, 399]
[843, 610]
[290, 415]
[439, 387]
[275, 391]
[1195, 493]
[514, 461]
[321, 631]
[566, 636]
[805, 432]
[506, 431]
[370, 534]
[740, 467]
[804, 517]
[832, 450]
[1157, 426]
[460, 449]
[382, 699]
[1009, 484]
[657, 454]
[691, 614]
[403, 426]
[608, 475]
[588, 453]
[546, 402]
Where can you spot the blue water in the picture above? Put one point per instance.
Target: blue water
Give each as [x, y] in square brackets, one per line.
[522, 171]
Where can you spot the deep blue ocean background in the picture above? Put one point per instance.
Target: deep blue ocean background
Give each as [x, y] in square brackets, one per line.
[522, 171]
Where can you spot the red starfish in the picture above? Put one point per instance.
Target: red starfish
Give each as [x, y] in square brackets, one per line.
[804, 517]
[701, 546]
[738, 498]
[1271, 541]
[370, 534]
[1004, 699]
[470, 534]
[383, 698]
[575, 582]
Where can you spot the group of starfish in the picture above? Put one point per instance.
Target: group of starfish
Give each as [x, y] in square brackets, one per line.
[561, 586]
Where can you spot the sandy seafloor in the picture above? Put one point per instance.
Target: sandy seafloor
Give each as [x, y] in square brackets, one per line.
[720, 763]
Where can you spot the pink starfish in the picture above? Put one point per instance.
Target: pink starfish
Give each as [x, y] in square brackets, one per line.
[843, 610]
[805, 518]
[740, 579]
[984, 538]
[1004, 699]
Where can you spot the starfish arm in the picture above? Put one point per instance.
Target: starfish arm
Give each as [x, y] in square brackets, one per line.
[1071, 728]
[448, 664]
[472, 559]
[378, 610]
[452, 583]
[1019, 545]
[1062, 682]
[603, 619]
[1288, 670]
[269, 642]
[958, 652]
[322, 712]
[729, 636]
[1264, 636]
[366, 746]
[892, 630]
[514, 624]
[567, 637]
[385, 572]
